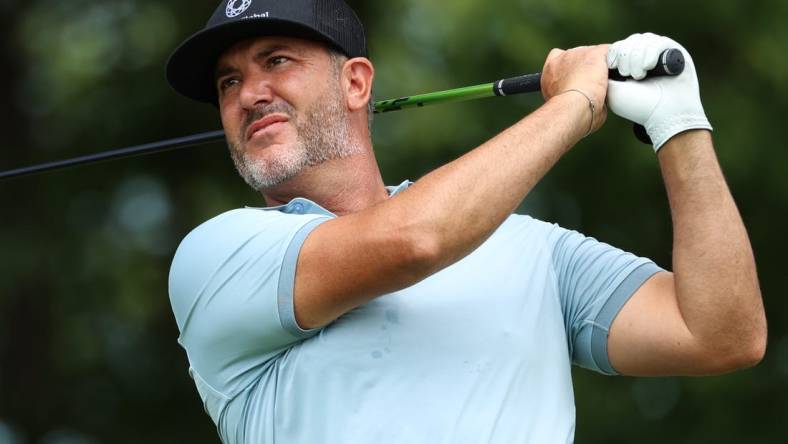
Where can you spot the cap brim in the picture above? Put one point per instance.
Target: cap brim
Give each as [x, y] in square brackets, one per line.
[191, 68]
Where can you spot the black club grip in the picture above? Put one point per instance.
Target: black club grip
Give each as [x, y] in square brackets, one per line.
[518, 85]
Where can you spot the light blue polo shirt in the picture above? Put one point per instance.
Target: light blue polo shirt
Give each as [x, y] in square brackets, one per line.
[477, 353]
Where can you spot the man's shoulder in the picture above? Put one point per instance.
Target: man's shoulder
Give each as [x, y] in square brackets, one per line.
[239, 216]
[224, 229]
[235, 228]
[228, 241]
[240, 222]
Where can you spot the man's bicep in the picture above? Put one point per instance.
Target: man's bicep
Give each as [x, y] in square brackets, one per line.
[350, 260]
[649, 336]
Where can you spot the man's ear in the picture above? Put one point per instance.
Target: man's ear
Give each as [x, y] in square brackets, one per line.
[357, 76]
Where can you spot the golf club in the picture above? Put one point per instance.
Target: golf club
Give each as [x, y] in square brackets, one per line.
[671, 63]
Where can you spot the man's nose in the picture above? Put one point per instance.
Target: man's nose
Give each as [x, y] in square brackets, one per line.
[256, 90]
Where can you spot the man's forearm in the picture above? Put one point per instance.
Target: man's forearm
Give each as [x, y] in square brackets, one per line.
[487, 184]
[715, 276]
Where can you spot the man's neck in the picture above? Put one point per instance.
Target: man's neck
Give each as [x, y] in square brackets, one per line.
[342, 186]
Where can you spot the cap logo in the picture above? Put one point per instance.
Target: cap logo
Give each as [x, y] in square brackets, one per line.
[237, 7]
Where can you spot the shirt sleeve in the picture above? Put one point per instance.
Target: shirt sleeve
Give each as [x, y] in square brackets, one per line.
[231, 290]
[595, 280]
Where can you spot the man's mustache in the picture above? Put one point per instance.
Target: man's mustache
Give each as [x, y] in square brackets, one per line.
[260, 112]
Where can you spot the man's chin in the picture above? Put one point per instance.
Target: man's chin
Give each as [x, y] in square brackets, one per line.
[256, 146]
[263, 180]
[265, 172]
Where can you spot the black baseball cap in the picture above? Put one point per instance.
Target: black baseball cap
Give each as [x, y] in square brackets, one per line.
[191, 67]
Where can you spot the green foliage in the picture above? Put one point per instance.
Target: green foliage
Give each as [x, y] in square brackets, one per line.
[88, 348]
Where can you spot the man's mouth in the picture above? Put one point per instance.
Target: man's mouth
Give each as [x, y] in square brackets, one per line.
[260, 126]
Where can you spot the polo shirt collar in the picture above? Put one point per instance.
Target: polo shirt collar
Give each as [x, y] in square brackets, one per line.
[300, 205]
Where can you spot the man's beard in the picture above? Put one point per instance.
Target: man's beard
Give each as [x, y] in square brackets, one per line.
[322, 135]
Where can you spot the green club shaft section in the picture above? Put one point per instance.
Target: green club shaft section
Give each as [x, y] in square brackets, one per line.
[452, 95]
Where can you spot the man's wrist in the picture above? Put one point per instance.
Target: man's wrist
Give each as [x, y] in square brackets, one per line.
[577, 107]
[591, 107]
[667, 129]
[678, 145]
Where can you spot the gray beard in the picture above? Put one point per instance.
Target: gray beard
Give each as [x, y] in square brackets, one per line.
[323, 135]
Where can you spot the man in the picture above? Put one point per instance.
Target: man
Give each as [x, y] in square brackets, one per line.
[348, 312]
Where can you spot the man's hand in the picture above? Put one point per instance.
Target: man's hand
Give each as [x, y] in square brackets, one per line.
[583, 69]
[665, 106]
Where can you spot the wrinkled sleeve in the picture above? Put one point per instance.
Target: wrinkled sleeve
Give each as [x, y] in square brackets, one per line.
[231, 290]
[595, 280]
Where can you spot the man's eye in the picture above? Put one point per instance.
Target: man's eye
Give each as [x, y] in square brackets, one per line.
[277, 60]
[227, 83]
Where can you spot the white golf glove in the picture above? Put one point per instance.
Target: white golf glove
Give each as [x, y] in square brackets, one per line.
[665, 106]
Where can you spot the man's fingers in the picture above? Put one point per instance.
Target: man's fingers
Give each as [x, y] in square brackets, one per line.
[612, 56]
[623, 58]
[637, 58]
[637, 54]
[629, 57]
[651, 56]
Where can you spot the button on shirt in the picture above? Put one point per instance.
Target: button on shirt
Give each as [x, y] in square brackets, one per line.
[479, 352]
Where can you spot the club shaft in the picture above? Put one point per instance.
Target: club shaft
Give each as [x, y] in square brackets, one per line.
[505, 87]
[148, 148]
[671, 64]
[454, 95]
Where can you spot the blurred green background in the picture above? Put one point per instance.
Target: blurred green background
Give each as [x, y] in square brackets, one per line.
[88, 350]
